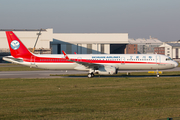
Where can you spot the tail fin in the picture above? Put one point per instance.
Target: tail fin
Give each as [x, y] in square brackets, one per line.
[16, 47]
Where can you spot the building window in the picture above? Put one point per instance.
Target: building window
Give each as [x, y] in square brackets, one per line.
[168, 54]
[89, 48]
[58, 48]
[177, 53]
[117, 48]
[167, 48]
[102, 48]
[79, 48]
[69, 48]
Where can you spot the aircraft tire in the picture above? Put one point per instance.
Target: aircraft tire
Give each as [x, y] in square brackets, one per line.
[89, 75]
[92, 74]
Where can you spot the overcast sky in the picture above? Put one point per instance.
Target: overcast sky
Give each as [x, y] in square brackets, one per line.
[138, 18]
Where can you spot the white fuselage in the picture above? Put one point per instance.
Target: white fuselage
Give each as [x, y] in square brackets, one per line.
[119, 61]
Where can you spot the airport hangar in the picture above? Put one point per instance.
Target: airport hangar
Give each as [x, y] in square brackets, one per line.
[81, 43]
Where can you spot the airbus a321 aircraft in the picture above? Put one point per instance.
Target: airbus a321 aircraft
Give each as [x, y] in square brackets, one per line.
[94, 63]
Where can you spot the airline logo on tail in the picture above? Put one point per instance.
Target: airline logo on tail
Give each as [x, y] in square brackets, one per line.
[15, 44]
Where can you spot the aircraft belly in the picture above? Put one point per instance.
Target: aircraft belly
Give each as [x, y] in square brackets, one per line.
[66, 66]
[165, 66]
[145, 66]
[63, 66]
[134, 66]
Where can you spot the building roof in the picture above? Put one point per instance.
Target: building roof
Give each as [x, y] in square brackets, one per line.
[145, 41]
[91, 38]
[22, 29]
[174, 44]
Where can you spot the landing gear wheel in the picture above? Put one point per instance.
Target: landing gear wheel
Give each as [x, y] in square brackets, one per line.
[157, 75]
[90, 75]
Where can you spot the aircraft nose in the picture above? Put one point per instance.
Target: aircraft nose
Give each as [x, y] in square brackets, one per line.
[175, 64]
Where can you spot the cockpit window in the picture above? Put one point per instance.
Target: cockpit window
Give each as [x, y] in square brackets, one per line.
[168, 59]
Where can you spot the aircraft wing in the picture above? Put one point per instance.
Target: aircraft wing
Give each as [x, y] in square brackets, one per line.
[86, 64]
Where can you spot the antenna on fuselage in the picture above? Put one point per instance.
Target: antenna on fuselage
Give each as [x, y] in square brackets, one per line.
[37, 40]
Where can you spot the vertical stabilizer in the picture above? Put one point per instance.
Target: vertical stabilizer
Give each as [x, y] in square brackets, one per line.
[16, 47]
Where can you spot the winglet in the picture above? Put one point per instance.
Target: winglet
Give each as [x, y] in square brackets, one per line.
[66, 57]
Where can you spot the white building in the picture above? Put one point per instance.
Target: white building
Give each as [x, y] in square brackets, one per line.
[88, 43]
[172, 50]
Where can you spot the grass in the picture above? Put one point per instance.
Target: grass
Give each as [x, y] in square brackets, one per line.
[96, 98]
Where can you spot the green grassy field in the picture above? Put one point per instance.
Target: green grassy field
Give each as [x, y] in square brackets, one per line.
[96, 98]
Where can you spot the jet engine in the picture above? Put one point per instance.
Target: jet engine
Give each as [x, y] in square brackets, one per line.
[106, 70]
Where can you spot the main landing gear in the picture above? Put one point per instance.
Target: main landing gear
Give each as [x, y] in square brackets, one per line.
[90, 75]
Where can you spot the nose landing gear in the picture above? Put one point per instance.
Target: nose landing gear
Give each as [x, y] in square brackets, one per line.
[157, 73]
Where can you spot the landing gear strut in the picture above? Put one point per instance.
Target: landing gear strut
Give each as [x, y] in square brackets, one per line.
[90, 75]
[157, 73]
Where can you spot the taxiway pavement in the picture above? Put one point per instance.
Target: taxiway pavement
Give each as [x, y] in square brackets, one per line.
[47, 73]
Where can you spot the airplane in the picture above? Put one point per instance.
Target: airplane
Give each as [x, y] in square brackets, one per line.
[103, 64]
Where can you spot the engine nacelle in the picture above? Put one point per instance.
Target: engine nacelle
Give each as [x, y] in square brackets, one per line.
[106, 70]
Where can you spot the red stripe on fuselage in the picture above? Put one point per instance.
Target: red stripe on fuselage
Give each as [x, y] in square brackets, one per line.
[63, 60]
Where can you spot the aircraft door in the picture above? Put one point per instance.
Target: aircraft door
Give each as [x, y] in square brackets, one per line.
[33, 64]
[159, 59]
[79, 59]
[122, 60]
[158, 62]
